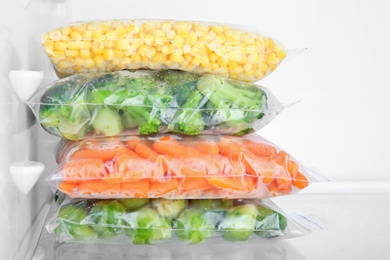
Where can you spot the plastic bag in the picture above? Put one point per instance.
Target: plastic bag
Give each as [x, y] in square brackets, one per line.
[174, 167]
[151, 102]
[200, 47]
[151, 221]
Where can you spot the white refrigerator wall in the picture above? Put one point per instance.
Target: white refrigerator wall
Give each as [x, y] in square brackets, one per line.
[340, 126]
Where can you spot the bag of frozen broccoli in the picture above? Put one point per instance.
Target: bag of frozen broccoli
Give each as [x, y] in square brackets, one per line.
[152, 221]
[146, 102]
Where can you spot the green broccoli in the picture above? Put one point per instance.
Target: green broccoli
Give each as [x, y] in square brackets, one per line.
[269, 223]
[212, 204]
[239, 223]
[189, 120]
[193, 225]
[233, 103]
[69, 218]
[107, 218]
[169, 208]
[149, 227]
[107, 121]
[133, 204]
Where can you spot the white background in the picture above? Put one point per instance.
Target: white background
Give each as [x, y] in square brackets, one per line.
[341, 125]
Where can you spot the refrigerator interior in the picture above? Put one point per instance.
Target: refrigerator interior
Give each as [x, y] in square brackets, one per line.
[336, 123]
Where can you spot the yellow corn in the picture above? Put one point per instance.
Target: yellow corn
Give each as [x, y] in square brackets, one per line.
[133, 44]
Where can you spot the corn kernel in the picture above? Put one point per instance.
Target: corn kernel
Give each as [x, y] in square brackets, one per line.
[60, 46]
[148, 39]
[71, 53]
[175, 57]
[192, 38]
[66, 30]
[233, 56]
[98, 48]
[145, 60]
[75, 35]
[196, 60]
[187, 58]
[205, 62]
[233, 65]
[214, 66]
[150, 52]
[167, 49]
[142, 50]
[121, 44]
[119, 54]
[222, 62]
[85, 54]
[120, 32]
[110, 35]
[116, 61]
[109, 44]
[108, 54]
[85, 45]
[135, 57]
[166, 27]
[247, 67]
[129, 28]
[159, 57]
[264, 68]
[213, 57]
[129, 51]
[59, 54]
[73, 45]
[78, 61]
[97, 34]
[183, 33]
[89, 63]
[99, 61]
[125, 60]
[55, 35]
[65, 63]
[186, 48]
[170, 34]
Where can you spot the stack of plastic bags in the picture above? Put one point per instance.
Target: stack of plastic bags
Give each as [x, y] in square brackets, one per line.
[157, 120]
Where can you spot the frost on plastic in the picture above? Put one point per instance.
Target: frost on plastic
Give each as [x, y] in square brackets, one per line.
[226, 50]
[171, 166]
[194, 221]
[150, 102]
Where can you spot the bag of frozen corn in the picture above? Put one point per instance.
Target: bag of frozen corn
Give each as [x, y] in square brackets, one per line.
[199, 47]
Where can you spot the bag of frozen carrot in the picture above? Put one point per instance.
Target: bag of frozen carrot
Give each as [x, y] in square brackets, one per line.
[145, 102]
[172, 166]
[231, 51]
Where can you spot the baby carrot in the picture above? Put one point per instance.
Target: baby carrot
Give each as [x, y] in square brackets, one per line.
[83, 169]
[132, 142]
[237, 183]
[260, 149]
[195, 183]
[158, 188]
[146, 152]
[100, 187]
[206, 147]
[173, 148]
[136, 189]
[67, 187]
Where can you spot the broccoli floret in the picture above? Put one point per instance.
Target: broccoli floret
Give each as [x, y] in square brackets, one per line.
[269, 223]
[133, 204]
[169, 208]
[179, 84]
[149, 227]
[234, 103]
[107, 121]
[69, 218]
[245, 131]
[188, 119]
[107, 218]
[212, 204]
[193, 225]
[64, 109]
[239, 223]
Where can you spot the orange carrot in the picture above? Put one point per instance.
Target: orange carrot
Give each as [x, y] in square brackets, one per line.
[191, 183]
[206, 147]
[174, 148]
[192, 173]
[237, 183]
[136, 189]
[83, 169]
[125, 167]
[132, 142]
[158, 188]
[101, 187]
[67, 187]
[282, 158]
[144, 151]
[260, 149]
[300, 181]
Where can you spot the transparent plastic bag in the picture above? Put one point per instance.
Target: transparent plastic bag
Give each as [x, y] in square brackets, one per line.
[201, 47]
[171, 166]
[153, 221]
[151, 102]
